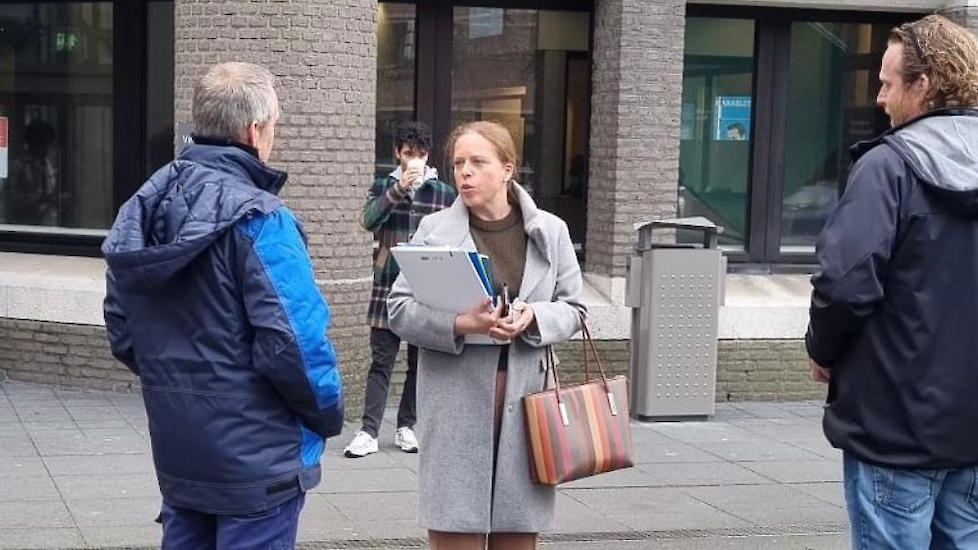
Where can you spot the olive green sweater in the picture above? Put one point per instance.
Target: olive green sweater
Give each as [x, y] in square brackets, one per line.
[504, 241]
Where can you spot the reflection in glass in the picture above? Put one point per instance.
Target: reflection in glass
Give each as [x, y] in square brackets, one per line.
[159, 84]
[396, 44]
[717, 110]
[530, 71]
[56, 94]
[832, 104]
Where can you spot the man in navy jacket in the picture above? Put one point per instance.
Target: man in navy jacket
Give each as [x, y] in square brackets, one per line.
[894, 308]
[212, 302]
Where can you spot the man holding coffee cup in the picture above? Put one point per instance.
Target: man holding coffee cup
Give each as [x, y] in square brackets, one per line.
[395, 206]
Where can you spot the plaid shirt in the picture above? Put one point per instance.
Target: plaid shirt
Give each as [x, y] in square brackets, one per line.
[393, 217]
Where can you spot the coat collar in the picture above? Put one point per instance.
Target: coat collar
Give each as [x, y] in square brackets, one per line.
[453, 230]
[236, 157]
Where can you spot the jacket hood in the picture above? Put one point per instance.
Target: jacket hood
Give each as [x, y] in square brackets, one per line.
[183, 208]
[941, 147]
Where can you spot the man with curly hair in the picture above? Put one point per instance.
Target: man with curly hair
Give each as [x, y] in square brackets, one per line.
[394, 208]
[893, 311]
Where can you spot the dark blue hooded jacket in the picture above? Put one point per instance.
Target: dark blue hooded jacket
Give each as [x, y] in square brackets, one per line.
[894, 307]
[211, 301]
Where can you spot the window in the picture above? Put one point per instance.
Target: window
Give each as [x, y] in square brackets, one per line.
[715, 134]
[832, 86]
[69, 72]
[396, 37]
[57, 101]
[772, 101]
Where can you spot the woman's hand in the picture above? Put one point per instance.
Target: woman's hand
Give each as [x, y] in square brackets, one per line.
[480, 319]
[521, 317]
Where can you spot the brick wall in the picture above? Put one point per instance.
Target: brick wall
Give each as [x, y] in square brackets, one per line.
[324, 56]
[765, 370]
[78, 356]
[60, 354]
[747, 370]
[635, 111]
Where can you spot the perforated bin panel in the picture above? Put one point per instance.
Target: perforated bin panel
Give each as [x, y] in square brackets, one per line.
[674, 369]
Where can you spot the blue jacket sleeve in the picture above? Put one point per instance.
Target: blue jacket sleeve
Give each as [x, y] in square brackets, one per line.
[116, 326]
[853, 253]
[290, 318]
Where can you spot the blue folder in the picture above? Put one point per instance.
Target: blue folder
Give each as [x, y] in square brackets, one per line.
[484, 269]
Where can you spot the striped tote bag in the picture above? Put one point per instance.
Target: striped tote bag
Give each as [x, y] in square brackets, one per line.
[579, 430]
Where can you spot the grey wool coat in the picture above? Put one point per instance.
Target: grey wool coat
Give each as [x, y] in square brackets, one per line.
[459, 491]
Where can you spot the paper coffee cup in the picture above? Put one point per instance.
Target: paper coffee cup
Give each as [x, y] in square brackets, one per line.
[417, 164]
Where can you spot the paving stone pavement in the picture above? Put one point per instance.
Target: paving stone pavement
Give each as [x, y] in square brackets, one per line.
[76, 472]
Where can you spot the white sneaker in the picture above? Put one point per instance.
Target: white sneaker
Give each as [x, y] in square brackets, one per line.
[406, 440]
[362, 445]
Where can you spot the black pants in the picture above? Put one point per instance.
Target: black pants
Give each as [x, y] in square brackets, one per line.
[383, 347]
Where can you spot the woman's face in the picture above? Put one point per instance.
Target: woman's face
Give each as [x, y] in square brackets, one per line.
[479, 174]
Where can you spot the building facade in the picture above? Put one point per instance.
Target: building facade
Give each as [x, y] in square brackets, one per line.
[623, 111]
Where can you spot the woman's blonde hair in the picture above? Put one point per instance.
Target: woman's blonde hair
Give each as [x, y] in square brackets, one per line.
[495, 133]
[944, 51]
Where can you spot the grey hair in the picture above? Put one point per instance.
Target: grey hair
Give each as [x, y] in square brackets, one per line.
[230, 97]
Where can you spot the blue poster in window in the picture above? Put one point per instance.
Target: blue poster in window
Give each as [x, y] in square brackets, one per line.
[732, 117]
[485, 22]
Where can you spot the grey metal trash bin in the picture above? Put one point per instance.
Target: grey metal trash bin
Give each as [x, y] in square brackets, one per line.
[674, 291]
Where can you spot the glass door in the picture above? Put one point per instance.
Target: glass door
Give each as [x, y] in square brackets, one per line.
[530, 70]
[716, 129]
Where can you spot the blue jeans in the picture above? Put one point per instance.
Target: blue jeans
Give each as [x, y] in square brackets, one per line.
[272, 529]
[911, 509]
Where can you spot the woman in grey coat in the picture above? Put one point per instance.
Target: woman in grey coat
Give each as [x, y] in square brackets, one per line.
[475, 476]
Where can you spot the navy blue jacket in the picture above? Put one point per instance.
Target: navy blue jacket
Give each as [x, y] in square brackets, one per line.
[894, 309]
[211, 301]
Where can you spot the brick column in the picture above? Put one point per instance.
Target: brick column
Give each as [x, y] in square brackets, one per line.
[635, 110]
[323, 53]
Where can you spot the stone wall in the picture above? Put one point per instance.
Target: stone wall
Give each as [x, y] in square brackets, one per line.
[747, 370]
[60, 354]
[765, 370]
[78, 356]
